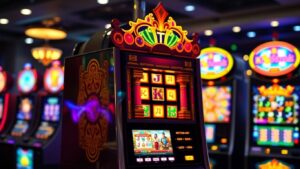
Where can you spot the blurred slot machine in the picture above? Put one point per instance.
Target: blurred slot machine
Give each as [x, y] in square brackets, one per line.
[6, 100]
[23, 121]
[42, 147]
[222, 76]
[273, 119]
[138, 102]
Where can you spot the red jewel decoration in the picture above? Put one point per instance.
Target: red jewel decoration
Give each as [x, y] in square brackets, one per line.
[118, 38]
[128, 38]
[187, 47]
[196, 49]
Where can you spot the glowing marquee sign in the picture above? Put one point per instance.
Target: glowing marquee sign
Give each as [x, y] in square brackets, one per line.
[274, 58]
[155, 33]
[215, 63]
[54, 78]
[27, 79]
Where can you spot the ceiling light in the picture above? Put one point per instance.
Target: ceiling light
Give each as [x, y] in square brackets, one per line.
[28, 40]
[189, 8]
[25, 11]
[4, 21]
[46, 33]
[274, 23]
[251, 34]
[296, 28]
[46, 54]
[107, 26]
[208, 32]
[236, 29]
[102, 2]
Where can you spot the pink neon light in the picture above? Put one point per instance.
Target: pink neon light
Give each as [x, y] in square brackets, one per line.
[6, 98]
[212, 63]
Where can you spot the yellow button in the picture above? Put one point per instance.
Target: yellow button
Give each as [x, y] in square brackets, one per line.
[189, 158]
[284, 151]
[214, 148]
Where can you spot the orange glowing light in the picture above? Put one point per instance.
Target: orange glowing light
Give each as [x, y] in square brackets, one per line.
[276, 90]
[210, 83]
[54, 78]
[3, 80]
[274, 164]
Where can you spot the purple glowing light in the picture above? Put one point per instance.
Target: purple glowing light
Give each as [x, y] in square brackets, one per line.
[10, 141]
[92, 109]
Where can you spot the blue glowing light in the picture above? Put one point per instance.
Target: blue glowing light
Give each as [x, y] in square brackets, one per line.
[189, 8]
[255, 134]
[296, 135]
[251, 34]
[26, 81]
[296, 28]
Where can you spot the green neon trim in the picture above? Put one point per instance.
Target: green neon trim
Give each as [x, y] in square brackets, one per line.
[145, 36]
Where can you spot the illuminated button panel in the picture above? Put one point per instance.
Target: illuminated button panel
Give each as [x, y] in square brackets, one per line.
[184, 142]
[274, 150]
[155, 159]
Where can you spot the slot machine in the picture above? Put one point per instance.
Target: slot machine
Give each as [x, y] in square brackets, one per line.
[23, 121]
[42, 147]
[6, 100]
[138, 102]
[222, 77]
[273, 119]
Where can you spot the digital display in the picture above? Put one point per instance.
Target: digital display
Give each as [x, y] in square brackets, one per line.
[44, 131]
[210, 133]
[276, 136]
[276, 104]
[25, 159]
[273, 164]
[54, 78]
[20, 128]
[215, 63]
[217, 104]
[51, 110]
[274, 58]
[152, 142]
[1, 107]
[159, 95]
[25, 109]
[27, 80]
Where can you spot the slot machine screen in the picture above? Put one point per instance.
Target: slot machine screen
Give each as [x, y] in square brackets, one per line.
[25, 109]
[24, 159]
[217, 104]
[152, 142]
[276, 109]
[275, 115]
[275, 135]
[159, 94]
[1, 107]
[210, 131]
[51, 109]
